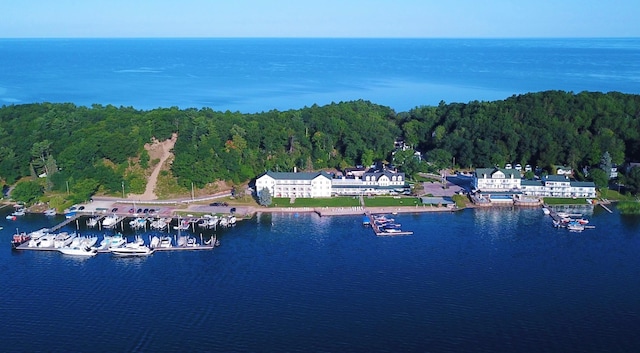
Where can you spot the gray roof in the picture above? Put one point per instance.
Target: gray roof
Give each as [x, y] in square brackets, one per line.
[583, 184]
[437, 200]
[556, 178]
[376, 187]
[528, 182]
[297, 176]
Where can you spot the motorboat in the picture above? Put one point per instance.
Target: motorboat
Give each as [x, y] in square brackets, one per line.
[159, 224]
[19, 239]
[63, 239]
[110, 221]
[546, 211]
[136, 248]
[138, 223]
[161, 242]
[50, 212]
[18, 212]
[45, 241]
[93, 222]
[78, 250]
[575, 226]
[183, 225]
[112, 241]
[83, 242]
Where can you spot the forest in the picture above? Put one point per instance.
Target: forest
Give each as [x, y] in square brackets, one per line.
[82, 151]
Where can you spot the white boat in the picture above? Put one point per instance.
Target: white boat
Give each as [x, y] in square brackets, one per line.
[78, 251]
[161, 242]
[136, 248]
[37, 234]
[50, 212]
[93, 221]
[112, 241]
[575, 227]
[45, 241]
[18, 212]
[63, 239]
[183, 225]
[138, 223]
[546, 211]
[109, 221]
[159, 224]
[83, 242]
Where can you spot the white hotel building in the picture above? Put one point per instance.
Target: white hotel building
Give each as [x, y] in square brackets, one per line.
[322, 184]
[492, 180]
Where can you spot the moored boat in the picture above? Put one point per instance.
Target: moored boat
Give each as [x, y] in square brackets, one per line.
[110, 221]
[136, 248]
[63, 239]
[19, 239]
[93, 221]
[112, 241]
[78, 251]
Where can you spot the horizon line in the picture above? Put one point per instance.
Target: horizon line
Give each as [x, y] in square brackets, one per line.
[323, 37]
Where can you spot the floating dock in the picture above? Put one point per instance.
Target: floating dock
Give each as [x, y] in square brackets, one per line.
[382, 233]
[201, 246]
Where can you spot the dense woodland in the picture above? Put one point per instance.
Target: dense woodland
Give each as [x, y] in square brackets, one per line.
[85, 150]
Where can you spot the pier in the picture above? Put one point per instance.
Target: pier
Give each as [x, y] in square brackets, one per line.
[382, 233]
[65, 222]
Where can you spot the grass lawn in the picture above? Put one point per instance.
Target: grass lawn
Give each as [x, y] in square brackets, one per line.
[383, 201]
[346, 201]
[565, 201]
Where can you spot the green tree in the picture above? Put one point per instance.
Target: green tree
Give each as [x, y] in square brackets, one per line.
[529, 175]
[27, 192]
[264, 197]
[599, 177]
[83, 189]
[633, 180]
[605, 163]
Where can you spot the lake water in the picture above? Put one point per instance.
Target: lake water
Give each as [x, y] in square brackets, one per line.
[253, 75]
[486, 280]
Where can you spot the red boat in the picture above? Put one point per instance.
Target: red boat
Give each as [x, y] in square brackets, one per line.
[19, 239]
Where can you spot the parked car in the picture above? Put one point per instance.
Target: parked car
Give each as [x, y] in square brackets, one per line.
[232, 210]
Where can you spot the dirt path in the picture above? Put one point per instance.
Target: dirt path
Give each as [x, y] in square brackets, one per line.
[156, 150]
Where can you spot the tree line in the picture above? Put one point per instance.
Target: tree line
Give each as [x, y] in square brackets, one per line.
[81, 151]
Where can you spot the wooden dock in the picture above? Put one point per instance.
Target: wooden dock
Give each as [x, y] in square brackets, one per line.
[382, 233]
[65, 222]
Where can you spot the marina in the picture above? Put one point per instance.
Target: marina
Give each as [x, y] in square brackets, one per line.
[574, 222]
[71, 243]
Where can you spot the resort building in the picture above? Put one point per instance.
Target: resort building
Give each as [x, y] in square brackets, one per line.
[496, 179]
[303, 184]
[371, 183]
[322, 184]
[506, 185]
[558, 186]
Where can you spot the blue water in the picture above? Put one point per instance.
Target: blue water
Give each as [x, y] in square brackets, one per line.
[490, 280]
[253, 75]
